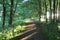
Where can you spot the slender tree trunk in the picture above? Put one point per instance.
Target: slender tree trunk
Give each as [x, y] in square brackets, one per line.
[4, 13]
[39, 9]
[50, 1]
[11, 13]
[59, 12]
[45, 10]
[16, 6]
[54, 10]
[59, 4]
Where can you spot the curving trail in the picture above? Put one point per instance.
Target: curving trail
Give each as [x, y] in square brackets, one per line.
[32, 32]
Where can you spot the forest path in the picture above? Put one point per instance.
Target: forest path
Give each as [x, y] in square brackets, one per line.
[32, 32]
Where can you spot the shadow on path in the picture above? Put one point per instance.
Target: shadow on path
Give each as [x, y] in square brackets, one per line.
[34, 34]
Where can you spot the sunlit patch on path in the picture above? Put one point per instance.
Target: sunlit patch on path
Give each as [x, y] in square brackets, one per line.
[26, 38]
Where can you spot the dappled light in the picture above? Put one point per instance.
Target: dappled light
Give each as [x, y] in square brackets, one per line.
[42, 19]
[30, 20]
[58, 27]
[25, 1]
[48, 15]
[58, 38]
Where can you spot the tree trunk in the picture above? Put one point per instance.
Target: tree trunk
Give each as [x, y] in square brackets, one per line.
[59, 12]
[45, 10]
[16, 6]
[54, 10]
[4, 13]
[11, 13]
[39, 9]
[50, 1]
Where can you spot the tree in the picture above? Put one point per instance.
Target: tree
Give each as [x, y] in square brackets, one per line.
[39, 9]
[4, 13]
[50, 1]
[56, 10]
[45, 10]
[54, 2]
[11, 12]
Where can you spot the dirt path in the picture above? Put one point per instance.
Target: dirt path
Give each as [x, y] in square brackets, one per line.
[32, 33]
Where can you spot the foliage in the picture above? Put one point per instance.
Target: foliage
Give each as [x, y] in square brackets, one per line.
[28, 9]
[51, 31]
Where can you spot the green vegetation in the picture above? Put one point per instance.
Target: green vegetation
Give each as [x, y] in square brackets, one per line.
[51, 31]
[16, 14]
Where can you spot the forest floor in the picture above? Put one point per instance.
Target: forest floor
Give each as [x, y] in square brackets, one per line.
[32, 32]
[36, 31]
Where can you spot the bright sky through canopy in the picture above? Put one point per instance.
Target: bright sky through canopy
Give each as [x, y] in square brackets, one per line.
[25, 1]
